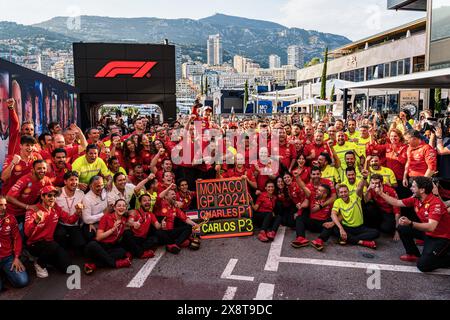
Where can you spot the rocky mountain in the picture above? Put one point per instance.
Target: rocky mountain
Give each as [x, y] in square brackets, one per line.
[254, 39]
[22, 40]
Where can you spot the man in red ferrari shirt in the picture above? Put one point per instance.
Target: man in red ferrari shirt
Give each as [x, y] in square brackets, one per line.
[18, 165]
[26, 129]
[176, 226]
[58, 167]
[286, 151]
[422, 158]
[59, 142]
[11, 249]
[40, 224]
[140, 238]
[378, 213]
[434, 227]
[25, 193]
[319, 219]
[312, 151]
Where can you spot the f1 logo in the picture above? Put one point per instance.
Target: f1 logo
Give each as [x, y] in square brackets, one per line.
[138, 69]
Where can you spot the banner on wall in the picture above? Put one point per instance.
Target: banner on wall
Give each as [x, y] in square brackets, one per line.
[39, 99]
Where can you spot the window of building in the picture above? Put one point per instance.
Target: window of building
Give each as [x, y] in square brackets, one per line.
[400, 65]
[407, 66]
[394, 69]
[387, 70]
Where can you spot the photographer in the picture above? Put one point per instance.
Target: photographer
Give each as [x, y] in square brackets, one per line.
[442, 139]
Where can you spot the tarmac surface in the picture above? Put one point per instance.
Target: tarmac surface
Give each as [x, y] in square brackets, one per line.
[246, 269]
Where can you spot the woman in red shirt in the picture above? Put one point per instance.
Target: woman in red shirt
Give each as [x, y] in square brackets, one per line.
[285, 207]
[144, 151]
[303, 170]
[107, 249]
[396, 158]
[184, 196]
[129, 156]
[265, 212]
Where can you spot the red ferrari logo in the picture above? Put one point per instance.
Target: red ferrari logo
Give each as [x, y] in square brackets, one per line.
[138, 69]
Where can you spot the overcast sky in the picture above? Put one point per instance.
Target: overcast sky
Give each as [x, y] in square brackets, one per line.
[354, 19]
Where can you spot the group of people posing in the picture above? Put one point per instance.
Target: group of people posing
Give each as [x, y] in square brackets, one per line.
[117, 197]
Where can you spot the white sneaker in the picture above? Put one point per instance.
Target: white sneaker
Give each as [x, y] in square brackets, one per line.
[40, 272]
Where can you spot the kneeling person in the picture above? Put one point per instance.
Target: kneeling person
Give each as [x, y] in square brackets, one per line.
[319, 219]
[40, 225]
[347, 214]
[140, 239]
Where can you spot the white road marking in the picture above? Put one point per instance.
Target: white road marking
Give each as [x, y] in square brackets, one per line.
[360, 265]
[140, 278]
[227, 273]
[265, 291]
[274, 259]
[230, 293]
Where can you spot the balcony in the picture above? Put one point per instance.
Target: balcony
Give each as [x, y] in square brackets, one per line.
[412, 5]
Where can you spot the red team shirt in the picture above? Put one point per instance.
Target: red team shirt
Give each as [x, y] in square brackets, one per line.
[21, 169]
[45, 230]
[420, 159]
[107, 222]
[318, 150]
[266, 203]
[432, 208]
[10, 239]
[381, 203]
[164, 209]
[396, 159]
[146, 219]
[322, 214]
[26, 190]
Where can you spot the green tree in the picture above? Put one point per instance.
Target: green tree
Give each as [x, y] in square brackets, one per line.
[332, 93]
[313, 62]
[437, 101]
[323, 83]
[245, 94]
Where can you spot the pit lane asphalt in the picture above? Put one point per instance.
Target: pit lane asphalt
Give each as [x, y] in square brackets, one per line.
[199, 275]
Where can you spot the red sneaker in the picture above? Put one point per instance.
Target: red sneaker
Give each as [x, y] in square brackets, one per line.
[123, 263]
[420, 242]
[148, 254]
[271, 235]
[369, 244]
[89, 268]
[186, 243]
[409, 258]
[317, 244]
[262, 236]
[173, 248]
[300, 242]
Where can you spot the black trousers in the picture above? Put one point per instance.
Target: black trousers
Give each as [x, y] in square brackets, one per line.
[50, 253]
[356, 234]
[137, 246]
[175, 236]
[436, 251]
[374, 217]
[265, 220]
[70, 237]
[105, 254]
[303, 223]
[88, 235]
[284, 215]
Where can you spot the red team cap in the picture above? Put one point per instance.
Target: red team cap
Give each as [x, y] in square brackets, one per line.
[48, 189]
